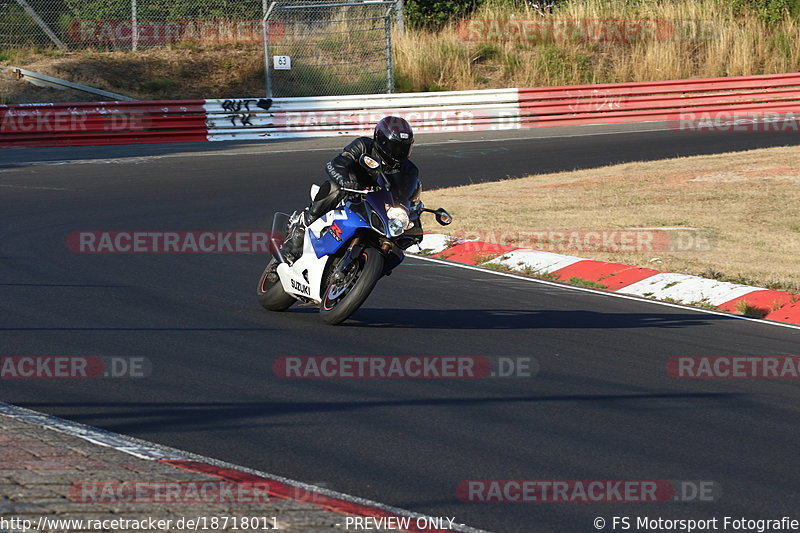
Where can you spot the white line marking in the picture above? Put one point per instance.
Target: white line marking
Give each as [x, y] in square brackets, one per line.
[152, 451]
[6, 186]
[599, 292]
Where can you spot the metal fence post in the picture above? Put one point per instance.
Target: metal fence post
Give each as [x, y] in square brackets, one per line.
[265, 39]
[399, 22]
[134, 27]
[389, 58]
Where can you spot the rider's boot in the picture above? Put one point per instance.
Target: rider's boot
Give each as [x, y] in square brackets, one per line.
[326, 199]
[293, 246]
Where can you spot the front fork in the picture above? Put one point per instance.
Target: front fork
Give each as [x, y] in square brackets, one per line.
[353, 253]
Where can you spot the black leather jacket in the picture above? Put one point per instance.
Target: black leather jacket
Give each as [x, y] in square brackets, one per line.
[345, 167]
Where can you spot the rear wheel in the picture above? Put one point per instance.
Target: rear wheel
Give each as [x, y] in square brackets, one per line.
[270, 292]
[343, 297]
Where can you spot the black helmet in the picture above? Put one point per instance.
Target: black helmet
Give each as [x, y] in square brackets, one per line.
[393, 139]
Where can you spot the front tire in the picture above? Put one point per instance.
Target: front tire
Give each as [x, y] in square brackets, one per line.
[270, 293]
[342, 300]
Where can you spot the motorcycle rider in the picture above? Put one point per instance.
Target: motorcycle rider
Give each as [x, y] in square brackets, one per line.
[390, 146]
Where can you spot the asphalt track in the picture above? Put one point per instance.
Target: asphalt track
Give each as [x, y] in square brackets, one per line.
[601, 407]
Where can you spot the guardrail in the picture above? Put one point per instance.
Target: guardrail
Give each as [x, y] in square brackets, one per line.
[502, 109]
[658, 101]
[354, 115]
[102, 123]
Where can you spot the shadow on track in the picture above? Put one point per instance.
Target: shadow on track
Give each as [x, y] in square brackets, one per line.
[523, 319]
[166, 417]
[457, 319]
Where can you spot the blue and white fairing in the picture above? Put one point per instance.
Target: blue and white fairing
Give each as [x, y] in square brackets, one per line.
[337, 228]
[340, 225]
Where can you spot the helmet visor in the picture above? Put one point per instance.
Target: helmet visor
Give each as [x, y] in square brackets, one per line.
[398, 151]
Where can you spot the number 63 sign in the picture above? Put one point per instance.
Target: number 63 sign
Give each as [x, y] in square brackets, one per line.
[281, 62]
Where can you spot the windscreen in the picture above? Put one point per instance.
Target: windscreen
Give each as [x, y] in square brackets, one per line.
[403, 187]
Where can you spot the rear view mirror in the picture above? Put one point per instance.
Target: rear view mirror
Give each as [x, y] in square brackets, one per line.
[443, 217]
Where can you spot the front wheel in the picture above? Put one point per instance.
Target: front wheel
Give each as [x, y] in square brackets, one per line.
[344, 297]
[270, 292]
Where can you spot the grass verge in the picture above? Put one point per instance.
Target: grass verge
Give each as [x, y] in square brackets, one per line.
[746, 200]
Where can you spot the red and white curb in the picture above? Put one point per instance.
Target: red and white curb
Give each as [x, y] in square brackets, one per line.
[279, 487]
[624, 279]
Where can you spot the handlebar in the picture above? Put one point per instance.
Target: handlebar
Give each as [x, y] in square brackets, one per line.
[365, 191]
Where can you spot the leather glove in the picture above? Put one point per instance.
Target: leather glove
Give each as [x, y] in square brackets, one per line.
[350, 184]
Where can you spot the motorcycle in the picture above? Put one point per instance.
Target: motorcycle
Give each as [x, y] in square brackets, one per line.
[346, 251]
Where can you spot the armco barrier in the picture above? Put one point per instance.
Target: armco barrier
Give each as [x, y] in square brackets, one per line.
[353, 115]
[102, 123]
[464, 111]
[658, 101]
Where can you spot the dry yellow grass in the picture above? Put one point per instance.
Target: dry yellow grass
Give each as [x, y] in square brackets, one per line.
[723, 44]
[748, 200]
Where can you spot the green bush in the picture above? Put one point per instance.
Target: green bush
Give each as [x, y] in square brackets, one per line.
[193, 9]
[434, 14]
[98, 9]
[770, 11]
[165, 9]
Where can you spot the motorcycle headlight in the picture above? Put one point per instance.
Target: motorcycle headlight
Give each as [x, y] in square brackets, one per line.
[398, 220]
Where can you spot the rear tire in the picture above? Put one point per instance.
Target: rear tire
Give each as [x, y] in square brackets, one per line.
[270, 292]
[337, 310]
